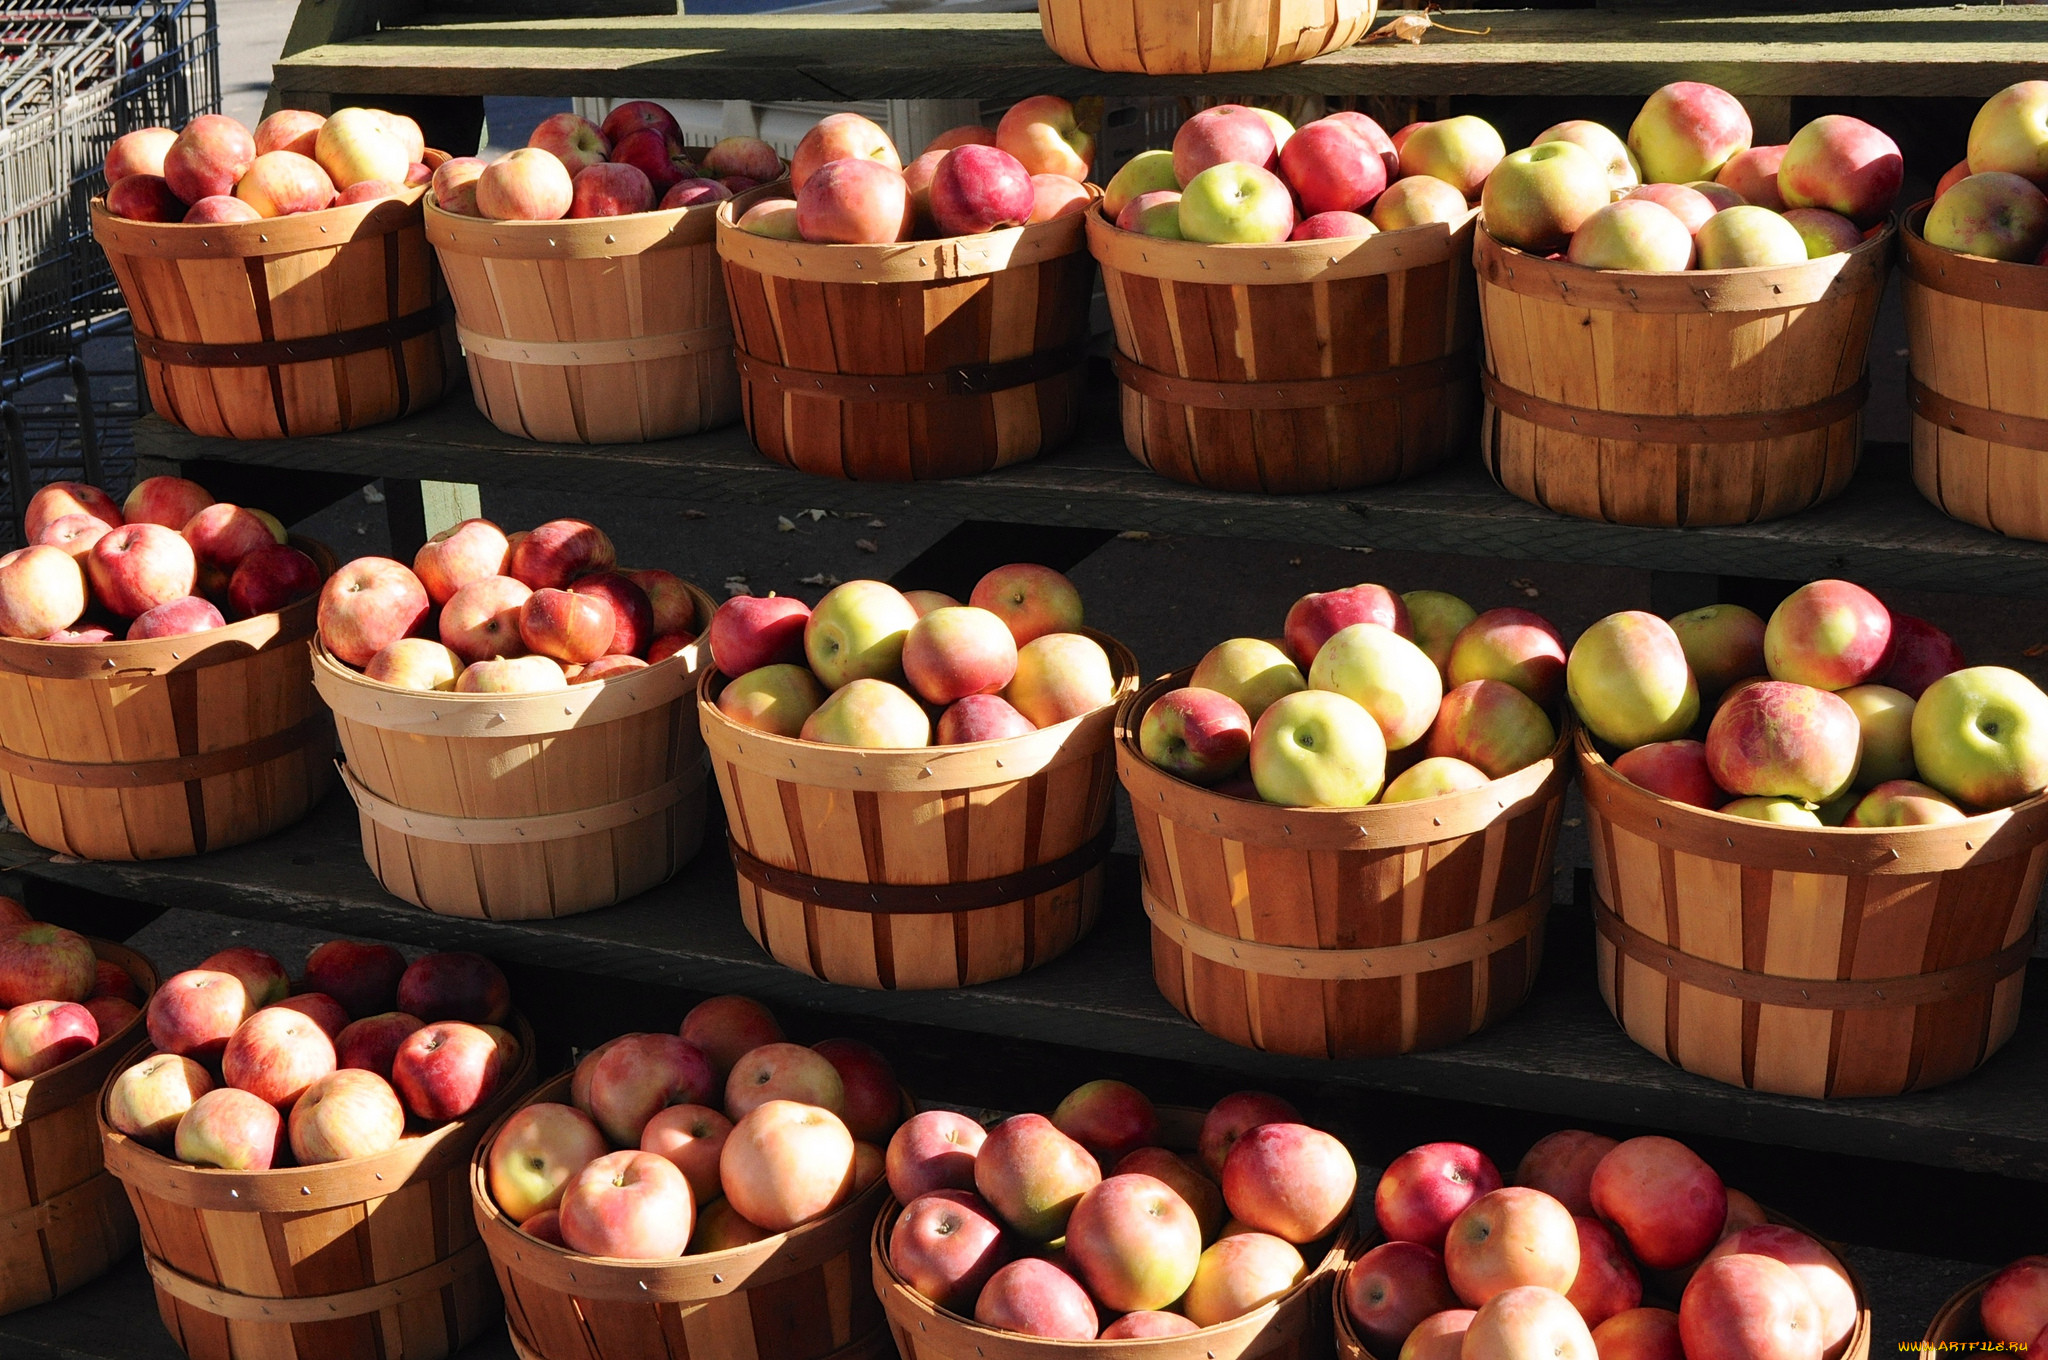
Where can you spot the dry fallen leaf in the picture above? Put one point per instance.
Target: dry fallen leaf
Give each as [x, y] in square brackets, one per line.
[695, 514]
[877, 524]
[818, 579]
[784, 525]
[1357, 550]
[2038, 649]
[1135, 536]
[815, 515]
[1409, 28]
[866, 545]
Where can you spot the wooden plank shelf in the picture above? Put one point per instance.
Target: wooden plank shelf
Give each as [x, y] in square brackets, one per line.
[1880, 531]
[1960, 50]
[1560, 1055]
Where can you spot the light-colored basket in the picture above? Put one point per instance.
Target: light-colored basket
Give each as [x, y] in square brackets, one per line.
[799, 1295]
[1976, 331]
[605, 330]
[908, 362]
[516, 807]
[1300, 367]
[1718, 396]
[63, 1218]
[1195, 37]
[1811, 962]
[373, 1258]
[164, 747]
[1343, 932]
[944, 866]
[293, 326]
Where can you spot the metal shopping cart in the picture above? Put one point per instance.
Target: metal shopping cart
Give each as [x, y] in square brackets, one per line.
[72, 79]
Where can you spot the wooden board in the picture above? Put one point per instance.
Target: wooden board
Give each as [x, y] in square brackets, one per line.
[1895, 53]
[1559, 1054]
[1880, 531]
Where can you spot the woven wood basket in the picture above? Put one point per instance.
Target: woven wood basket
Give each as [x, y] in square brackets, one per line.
[294, 326]
[799, 1295]
[608, 330]
[373, 1258]
[1977, 329]
[519, 807]
[63, 1218]
[1301, 367]
[1959, 1325]
[1720, 396]
[908, 362]
[1343, 932]
[165, 747]
[941, 867]
[1193, 37]
[1831, 962]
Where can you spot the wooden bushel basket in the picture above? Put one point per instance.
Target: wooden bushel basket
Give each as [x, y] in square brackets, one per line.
[520, 807]
[908, 362]
[606, 331]
[1301, 367]
[1719, 396]
[1179, 38]
[1829, 962]
[1959, 1325]
[293, 326]
[799, 1295]
[63, 1218]
[374, 1258]
[944, 866]
[1977, 329]
[1343, 932]
[165, 747]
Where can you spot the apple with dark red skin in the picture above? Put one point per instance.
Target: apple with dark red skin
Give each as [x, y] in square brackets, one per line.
[572, 628]
[1391, 1289]
[1332, 226]
[270, 578]
[1514, 646]
[946, 1245]
[980, 717]
[109, 979]
[1110, 1119]
[1331, 168]
[208, 156]
[1318, 616]
[1639, 1334]
[445, 1070]
[608, 189]
[194, 1013]
[1198, 734]
[559, 553]
[1033, 1175]
[1561, 1165]
[979, 188]
[660, 158]
[1672, 769]
[934, 1150]
[147, 198]
[230, 1129]
[2015, 1304]
[726, 1028]
[1289, 1180]
[367, 605]
[42, 962]
[751, 631]
[45, 1034]
[1034, 1297]
[276, 1054]
[1231, 1118]
[362, 977]
[1424, 1189]
[111, 1013]
[632, 612]
[1746, 1307]
[1921, 655]
[1375, 136]
[372, 1042]
[1667, 1204]
[455, 986]
[635, 114]
[1224, 133]
[1607, 1284]
[874, 1098]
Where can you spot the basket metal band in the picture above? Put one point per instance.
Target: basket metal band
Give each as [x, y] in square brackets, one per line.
[1350, 965]
[1977, 422]
[966, 380]
[317, 728]
[309, 349]
[922, 899]
[226, 1303]
[59, 1210]
[578, 353]
[516, 830]
[1814, 994]
[1669, 429]
[1218, 394]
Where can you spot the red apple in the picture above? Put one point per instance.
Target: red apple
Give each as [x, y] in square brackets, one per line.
[1492, 725]
[367, 605]
[610, 190]
[1057, 196]
[633, 1205]
[933, 1150]
[41, 1035]
[783, 1071]
[321, 1009]
[1746, 1307]
[111, 1013]
[1639, 1334]
[1843, 165]
[1514, 646]
[288, 130]
[1667, 1204]
[176, 618]
[1424, 1189]
[74, 534]
[862, 202]
[2015, 1304]
[785, 1163]
[946, 1245]
[726, 1028]
[1509, 1239]
[445, 1070]
[1231, 1118]
[55, 500]
[1185, 1178]
[1389, 1291]
[140, 152]
[693, 1137]
[1033, 1175]
[362, 977]
[1224, 133]
[635, 114]
[347, 1113]
[1034, 1297]
[281, 183]
[836, 137]
[229, 1129]
[270, 578]
[976, 189]
[1198, 734]
[264, 979]
[1773, 739]
[1289, 1180]
[1828, 634]
[1607, 1284]
[1318, 616]
[1134, 1243]
[1331, 168]
[980, 717]
[137, 567]
[571, 139]
[41, 962]
[109, 978]
[169, 501]
[372, 1043]
[455, 986]
[1816, 1267]
[873, 1096]
[146, 198]
[482, 621]
[1561, 1165]
[631, 610]
[538, 1150]
[639, 1076]
[1134, 1326]
[149, 1098]
[747, 156]
[208, 156]
[1920, 655]
[276, 1054]
[1375, 136]
[559, 553]
[571, 628]
[1110, 1119]
[954, 652]
[451, 559]
[751, 631]
[1031, 599]
[1672, 769]
[194, 1013]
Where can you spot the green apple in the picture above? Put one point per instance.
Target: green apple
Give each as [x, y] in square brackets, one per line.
[1783, 811]
[1145, 173]
[1623, 174]
[1886, 717]
[870, 713]
[857, 633]
[1236, 204]
[1629, 681]
[1386, 675]
[1537, 197]
[1433, 777]
[773, 699]
[1318, 749]
[1980, 735]
[1282, 129]
[1746, 236]
[1252, 671]
[1436, 618]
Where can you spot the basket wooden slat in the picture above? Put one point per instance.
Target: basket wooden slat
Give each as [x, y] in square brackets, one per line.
[799, 1295]
[63, 1218]
[1302, 367]
[598, 331]
[1976, 329]
[1345, 932]
[525, 806]
[166, 747]
[1704, 397]
[908, 362]
[304, 325]
[945, 866]
[1193, 37]
[1832, 962]
[375, 1258]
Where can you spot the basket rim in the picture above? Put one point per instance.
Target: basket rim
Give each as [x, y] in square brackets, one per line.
[1287, 249]
[1874, 244]
[410, 195]
[540, 226]
[729, 212]
[1553, 768]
